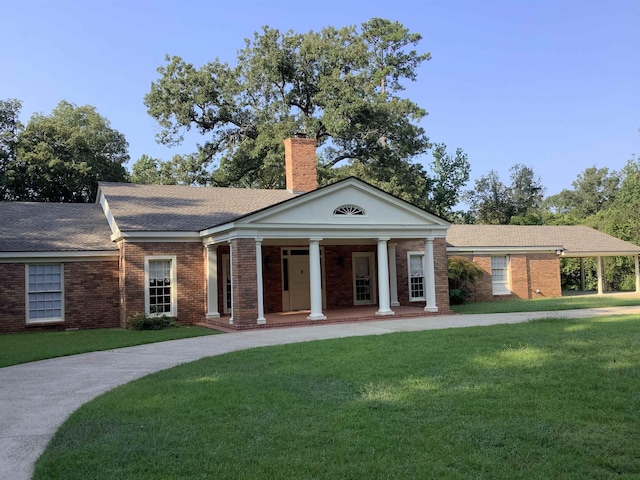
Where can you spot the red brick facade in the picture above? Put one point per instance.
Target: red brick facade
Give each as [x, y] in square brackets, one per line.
[90, 297]
[440, 271]
[531, 276]
[300, 164]
[190, 276]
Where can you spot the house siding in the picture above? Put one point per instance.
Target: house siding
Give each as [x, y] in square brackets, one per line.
[191, 282]
[531, 276]
[90, 297]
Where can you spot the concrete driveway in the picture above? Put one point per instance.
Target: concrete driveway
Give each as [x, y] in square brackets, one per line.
[36, 398]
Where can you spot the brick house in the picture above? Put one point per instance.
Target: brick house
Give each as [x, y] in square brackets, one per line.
[233, 257]
[524, 261]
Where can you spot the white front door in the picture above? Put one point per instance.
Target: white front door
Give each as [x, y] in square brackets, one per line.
[364, 284]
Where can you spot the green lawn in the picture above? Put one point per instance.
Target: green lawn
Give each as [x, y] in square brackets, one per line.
[543, 399]
[27, 347]
[548, 304]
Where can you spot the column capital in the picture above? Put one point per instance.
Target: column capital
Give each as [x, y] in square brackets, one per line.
[316, 239]
[383, 239]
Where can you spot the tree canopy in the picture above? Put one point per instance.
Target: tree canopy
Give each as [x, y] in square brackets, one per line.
[340, 86]
[59, 157]
[493, 202]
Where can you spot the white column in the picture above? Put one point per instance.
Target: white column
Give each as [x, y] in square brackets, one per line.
[231, 255]
[259, 282]
[428, 269]
[384, 302]
[600, 279]
[635, 258]
[212, 282]
[393, 275]
[315, 280]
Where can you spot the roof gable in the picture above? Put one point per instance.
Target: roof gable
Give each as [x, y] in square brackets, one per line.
[372, 207]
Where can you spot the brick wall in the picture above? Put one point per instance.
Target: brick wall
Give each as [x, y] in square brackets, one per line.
[90, 297]
[190, 264]
[338, 265]
[245, 281]
[300, 164]
[440, 272]
[529, 273]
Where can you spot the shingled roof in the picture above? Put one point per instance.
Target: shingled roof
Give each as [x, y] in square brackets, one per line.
[175, 208]
[577, 240]
[53, 227]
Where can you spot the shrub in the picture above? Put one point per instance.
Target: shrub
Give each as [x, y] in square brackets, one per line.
[140, 321]
[462, 275]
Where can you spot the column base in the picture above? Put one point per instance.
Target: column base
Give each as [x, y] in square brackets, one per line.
[385, 312]
[395, 304]
[261, 321]
[231, 321]
[431, 309]
[317, 316]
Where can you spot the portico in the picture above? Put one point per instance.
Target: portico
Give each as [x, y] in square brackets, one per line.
[334, 247]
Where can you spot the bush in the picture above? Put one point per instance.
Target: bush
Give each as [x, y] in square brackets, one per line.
[462, 275]
[140, 321]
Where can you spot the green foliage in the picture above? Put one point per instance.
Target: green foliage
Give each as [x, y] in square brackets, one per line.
[10, 127]
[140, 321]
[593, 191]
[520, 203]
[63, 156]
[462, 275]
[338, 86]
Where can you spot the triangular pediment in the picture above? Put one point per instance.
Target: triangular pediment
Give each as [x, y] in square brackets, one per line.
[350, 202]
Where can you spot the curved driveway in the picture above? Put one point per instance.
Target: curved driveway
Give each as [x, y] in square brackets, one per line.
[35, 398]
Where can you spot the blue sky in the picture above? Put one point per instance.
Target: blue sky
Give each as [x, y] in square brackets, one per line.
[552, 84]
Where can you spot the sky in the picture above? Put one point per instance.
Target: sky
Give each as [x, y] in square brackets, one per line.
[551, 84]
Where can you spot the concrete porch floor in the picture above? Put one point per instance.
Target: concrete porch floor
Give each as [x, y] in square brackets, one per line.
[338, 315]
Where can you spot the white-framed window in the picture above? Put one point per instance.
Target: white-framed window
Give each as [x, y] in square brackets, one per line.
[349, 210]
[416, 276]
[500, 275]
[45, 293]
[160, 292]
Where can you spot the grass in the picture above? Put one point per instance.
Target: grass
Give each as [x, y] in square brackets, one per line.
[548, 304]
[18, 348]
[543, 399]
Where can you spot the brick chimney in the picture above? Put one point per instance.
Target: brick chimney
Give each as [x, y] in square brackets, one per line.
[300, 164]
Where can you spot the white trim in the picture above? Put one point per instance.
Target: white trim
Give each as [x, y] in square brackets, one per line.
[36, 321]
[259, 283]
[429, 276]
[213, 309]
[174, 284]
[372, 277]
[102, 200]
[329, 232]
[157, 236]
[502, 250]
[501, 288]
[86, 256]
[384, 298]
[424, 283]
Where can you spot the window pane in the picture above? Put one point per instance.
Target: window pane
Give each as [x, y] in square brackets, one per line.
[159, 286]
[415, 266]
